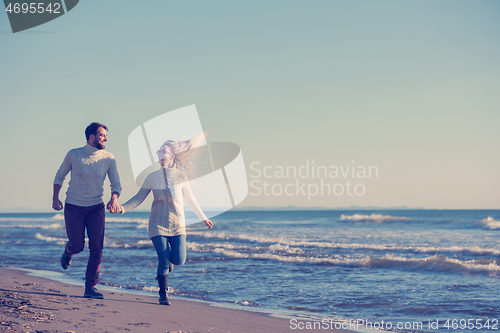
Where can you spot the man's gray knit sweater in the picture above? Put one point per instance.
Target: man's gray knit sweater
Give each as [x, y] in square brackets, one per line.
[88, 166]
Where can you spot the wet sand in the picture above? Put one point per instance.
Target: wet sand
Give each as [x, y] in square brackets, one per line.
[34, 304]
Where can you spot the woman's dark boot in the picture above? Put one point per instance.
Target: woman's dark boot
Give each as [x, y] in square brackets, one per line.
[163, 284]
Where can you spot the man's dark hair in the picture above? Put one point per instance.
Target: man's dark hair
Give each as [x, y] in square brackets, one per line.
[92, 129]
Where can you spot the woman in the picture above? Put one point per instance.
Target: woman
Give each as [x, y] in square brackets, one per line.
[167, 228]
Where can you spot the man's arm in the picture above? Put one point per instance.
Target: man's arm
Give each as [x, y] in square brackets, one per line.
[59, 180]
[116, 188]
[56, 203]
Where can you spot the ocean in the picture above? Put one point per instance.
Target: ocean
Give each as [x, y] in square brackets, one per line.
[417, 270]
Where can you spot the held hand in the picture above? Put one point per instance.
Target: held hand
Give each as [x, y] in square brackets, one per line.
[113, 206]
[208, 223]
[57, 204]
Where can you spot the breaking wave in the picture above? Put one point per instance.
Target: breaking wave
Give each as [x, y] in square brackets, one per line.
[35, 226]
[490, 222]
[372, 218]
[433, 263]
[277, 242]
[59, 241]
[135, 245]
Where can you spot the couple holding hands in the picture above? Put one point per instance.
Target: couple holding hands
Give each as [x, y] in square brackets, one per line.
[84, 208]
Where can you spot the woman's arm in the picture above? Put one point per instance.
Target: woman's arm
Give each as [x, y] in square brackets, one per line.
[193, 203]
[136, 200]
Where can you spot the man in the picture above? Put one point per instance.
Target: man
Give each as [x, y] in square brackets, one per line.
[84, 208]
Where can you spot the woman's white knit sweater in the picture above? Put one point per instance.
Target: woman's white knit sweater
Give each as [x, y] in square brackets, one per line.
[164, 219]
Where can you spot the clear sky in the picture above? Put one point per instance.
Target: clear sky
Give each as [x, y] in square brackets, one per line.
[410, 87]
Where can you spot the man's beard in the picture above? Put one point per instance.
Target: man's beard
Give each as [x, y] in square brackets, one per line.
[99, 145]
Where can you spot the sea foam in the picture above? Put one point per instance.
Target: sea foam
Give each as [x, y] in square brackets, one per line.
[491, 223]
[290, 242]
[372, 218]
[60, 241]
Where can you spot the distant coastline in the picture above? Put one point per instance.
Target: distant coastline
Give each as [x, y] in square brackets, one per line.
[261, 208]
[325, 208]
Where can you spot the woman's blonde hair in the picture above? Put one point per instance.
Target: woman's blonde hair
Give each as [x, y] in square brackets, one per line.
[188, 157]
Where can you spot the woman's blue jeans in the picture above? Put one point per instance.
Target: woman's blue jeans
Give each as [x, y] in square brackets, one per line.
[170, 249]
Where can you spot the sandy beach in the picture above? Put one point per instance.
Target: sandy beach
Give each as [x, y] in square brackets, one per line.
[33, 304]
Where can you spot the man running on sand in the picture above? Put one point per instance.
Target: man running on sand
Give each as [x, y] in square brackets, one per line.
[84, 208]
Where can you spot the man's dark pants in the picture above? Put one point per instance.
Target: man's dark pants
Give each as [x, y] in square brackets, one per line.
[78, 219]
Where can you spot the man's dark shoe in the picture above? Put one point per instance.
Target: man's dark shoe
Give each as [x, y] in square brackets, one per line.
[65, 260]
[92, 293]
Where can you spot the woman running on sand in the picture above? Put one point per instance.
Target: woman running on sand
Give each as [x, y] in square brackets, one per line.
[167, 228]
